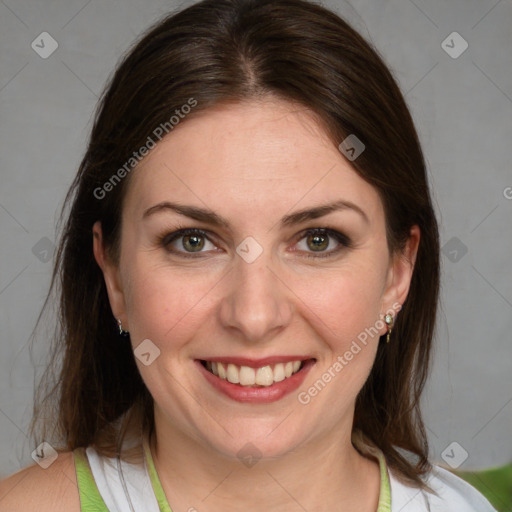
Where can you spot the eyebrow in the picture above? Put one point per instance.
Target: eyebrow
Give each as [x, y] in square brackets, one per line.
[210, 217]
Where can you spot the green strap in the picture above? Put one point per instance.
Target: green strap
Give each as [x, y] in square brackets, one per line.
[384, 504]
[91, 500]
[155, 481]
[90, 497]
[369, 448]
[385, 490]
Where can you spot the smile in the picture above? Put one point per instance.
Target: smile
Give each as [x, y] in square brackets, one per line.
[255, 381]
[247, 376]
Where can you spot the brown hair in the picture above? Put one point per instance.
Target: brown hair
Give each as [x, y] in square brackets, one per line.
[221, 51]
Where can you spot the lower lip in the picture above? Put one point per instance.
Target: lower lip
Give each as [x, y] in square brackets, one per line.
[257, 394]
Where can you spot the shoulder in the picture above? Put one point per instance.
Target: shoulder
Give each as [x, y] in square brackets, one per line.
[453, 489]
[36, 489]
[453, 493]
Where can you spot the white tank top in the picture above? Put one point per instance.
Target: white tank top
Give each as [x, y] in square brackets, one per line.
[142, 486]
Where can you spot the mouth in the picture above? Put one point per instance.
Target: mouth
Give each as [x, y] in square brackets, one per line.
[263, 376]
[254, 381]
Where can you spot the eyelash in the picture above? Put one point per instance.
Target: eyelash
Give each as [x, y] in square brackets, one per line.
[345, 242]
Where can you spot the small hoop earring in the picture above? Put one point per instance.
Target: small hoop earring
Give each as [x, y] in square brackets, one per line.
[121, 331]
[389, 322]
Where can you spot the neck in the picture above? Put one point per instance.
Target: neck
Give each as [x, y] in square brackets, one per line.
[326, 474]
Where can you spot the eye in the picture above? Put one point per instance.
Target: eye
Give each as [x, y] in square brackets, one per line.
[187, 242]
[318, 240]
[190, 242]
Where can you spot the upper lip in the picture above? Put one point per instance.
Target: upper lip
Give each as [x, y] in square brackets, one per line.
[255, 363]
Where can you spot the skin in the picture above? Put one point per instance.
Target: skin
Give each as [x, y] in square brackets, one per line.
[252, 163]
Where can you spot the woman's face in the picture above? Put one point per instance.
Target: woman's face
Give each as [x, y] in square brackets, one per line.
[254, 287]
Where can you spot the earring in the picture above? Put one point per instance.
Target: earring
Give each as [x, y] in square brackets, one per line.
[121, 331]
[389, 322]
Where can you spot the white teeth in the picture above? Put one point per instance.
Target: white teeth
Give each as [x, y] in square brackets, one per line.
[233, 375]
[247, 376]
[264, 376]
[279, 372]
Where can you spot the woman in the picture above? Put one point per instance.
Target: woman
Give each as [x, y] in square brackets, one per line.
[249, 276]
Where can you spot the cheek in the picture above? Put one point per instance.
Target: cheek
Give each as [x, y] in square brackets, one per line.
[344, 311]
[342, 303]
[166, 305]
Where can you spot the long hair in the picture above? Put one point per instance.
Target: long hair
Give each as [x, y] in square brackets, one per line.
[224, 51]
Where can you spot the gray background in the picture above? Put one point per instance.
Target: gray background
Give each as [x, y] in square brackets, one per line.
[462, 108]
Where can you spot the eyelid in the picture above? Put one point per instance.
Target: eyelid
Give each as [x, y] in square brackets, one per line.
[343, 240]
[176, 234]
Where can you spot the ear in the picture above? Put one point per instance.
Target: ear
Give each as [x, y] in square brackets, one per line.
[111, 276]
[400, 274]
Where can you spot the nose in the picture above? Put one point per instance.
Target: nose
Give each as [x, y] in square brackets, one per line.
[256, 304]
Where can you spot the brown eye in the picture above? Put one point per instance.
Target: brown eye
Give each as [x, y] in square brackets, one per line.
[192, 243]
[187, 242]
[318, 242]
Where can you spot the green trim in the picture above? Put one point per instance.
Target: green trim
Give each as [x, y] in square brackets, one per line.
[155, 481]
[385, 489]
[91, 500]
[384, 504]
[90, 497]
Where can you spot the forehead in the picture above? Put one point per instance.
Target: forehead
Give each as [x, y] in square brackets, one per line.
[265, 155]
